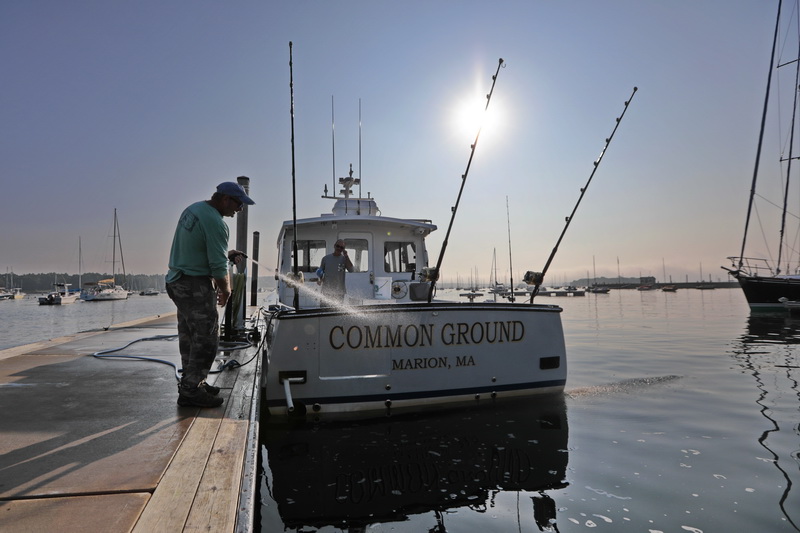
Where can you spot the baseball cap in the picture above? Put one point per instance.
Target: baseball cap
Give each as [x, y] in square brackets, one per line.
[234, 190]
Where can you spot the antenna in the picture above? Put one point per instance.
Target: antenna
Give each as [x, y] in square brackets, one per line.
[333, 147]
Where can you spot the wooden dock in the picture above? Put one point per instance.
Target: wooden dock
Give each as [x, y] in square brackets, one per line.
[90, 444]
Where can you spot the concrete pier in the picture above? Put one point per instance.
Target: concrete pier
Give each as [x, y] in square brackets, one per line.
[89, 444]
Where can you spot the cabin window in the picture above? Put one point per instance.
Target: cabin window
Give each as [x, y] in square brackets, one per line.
[309, 255]
[358, 251]
[399, 257]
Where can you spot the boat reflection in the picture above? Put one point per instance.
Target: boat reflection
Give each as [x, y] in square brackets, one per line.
[351, 475]
[772, 328]
[767, 352]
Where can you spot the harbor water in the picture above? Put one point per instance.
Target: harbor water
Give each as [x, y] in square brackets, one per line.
[25, 321]
[681, 413]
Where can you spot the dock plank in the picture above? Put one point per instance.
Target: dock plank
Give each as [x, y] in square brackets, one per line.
[103, 437]
[169, 507]
[216, 502]
[75, 514]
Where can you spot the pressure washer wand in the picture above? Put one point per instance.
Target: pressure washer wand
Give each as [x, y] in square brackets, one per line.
[242, 254]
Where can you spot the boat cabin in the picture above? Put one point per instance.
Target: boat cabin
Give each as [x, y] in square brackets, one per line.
[388, 254]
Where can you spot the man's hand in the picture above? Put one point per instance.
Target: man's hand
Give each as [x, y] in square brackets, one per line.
[223, 290]
[223, 296]
[236, 257]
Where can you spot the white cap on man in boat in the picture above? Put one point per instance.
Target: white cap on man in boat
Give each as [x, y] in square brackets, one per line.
[234, 190]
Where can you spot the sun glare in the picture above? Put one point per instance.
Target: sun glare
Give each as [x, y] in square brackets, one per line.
[469, 115]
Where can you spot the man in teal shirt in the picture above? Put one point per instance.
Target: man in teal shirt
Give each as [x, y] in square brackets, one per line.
[197, 282]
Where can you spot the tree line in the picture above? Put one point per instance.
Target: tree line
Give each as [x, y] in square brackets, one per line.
[44, 282]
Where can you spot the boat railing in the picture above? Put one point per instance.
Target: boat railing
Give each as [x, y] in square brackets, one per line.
[753, 266]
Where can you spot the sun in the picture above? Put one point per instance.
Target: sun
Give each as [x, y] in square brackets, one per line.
[470, 115]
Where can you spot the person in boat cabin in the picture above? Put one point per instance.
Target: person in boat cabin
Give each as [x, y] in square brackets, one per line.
[332, 270]
[197, 281]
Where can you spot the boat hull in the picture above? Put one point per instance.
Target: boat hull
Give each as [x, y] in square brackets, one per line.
[379, 358]
[766, 292]
[105, 295]
[58, 299]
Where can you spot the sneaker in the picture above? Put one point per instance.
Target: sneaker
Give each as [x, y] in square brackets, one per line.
[198, 397]
[211, 389]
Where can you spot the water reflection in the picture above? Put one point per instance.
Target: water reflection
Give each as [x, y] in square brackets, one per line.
[772, 328]
[351, 475]
[767, 352]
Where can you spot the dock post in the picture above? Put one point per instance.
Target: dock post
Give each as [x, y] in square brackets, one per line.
[241, 245]
[254, 274]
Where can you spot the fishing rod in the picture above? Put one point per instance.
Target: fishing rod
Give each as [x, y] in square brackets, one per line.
[536, 278]
[433, 275]
[295, 269]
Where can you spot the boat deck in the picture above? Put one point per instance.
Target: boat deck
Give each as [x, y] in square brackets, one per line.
[89, 444]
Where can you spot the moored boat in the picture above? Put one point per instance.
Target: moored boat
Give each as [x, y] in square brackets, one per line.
[61, 296]
[561, 291]
[103, 290]
[107, 289]
[765, 282]
[389, 346]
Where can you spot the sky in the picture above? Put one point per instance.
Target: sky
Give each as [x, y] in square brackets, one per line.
[144, 107]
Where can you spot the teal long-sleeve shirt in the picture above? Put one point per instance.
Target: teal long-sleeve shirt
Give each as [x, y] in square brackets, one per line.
[200, 244]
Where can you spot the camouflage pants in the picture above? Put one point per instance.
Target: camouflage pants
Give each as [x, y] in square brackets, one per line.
[198, 326]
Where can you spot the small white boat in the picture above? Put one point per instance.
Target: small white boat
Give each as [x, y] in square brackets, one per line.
[103, 290]
[61, 296]
[389, 346]
[17, 294]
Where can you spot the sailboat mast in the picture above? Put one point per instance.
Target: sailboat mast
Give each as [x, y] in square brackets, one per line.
[114, 249]
[119, 241]
[760, 136]
[510, 266]
[788, 167]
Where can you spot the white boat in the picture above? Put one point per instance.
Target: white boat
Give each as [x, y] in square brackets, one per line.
[61, 296]
[391, 346]
[107, 289]
[103, 290]
[14, 293]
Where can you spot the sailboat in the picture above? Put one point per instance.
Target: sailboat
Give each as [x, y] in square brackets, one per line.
[766, 281]
[107, 289]
[594, 289]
